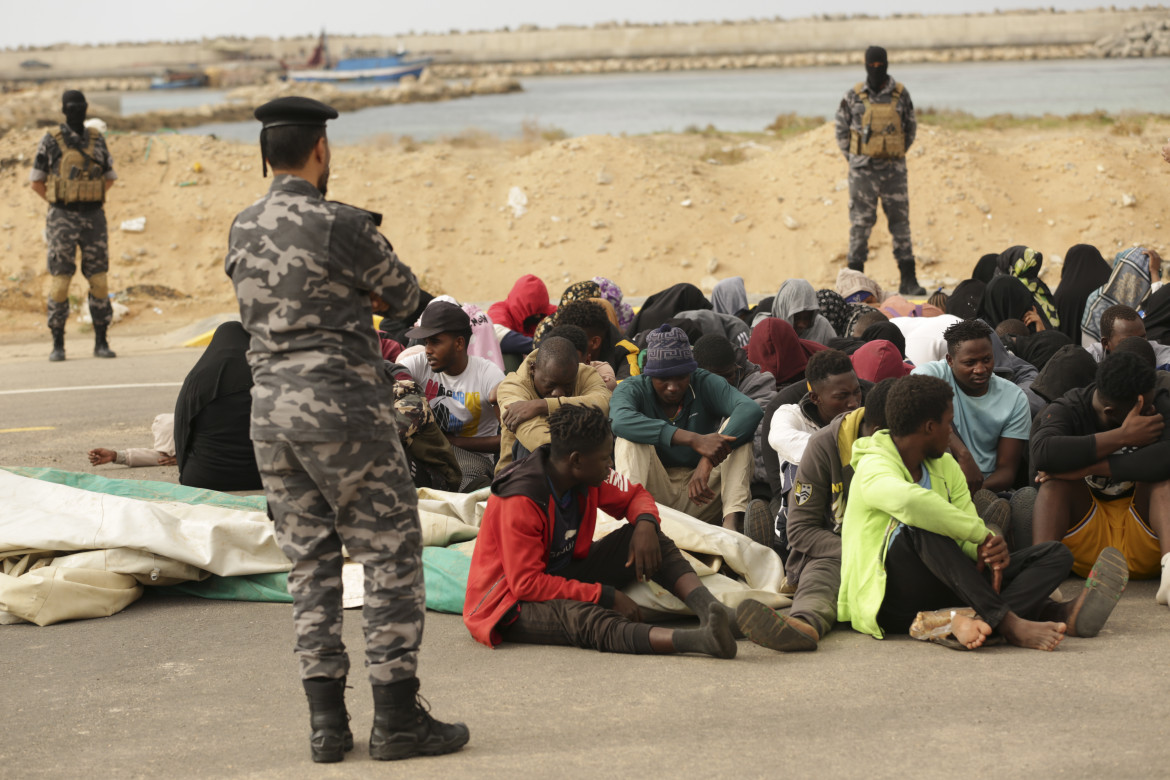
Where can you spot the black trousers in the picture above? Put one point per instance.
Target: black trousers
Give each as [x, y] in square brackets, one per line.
[927, 571]
[583, 624]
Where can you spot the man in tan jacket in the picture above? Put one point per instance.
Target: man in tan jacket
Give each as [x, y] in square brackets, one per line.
[548, 377]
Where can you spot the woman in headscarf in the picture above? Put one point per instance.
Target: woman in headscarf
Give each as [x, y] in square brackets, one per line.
[835, 310]
[966, 299]
[730, 297]
[856, 287]
[985, 268]
[1157, 317]
[775, 348]
[878, 360]
[213, 414]
[796, 302]
[1084, 271]
[578, 291]
[661, 306]
[1129, 283]
[1006, 298]
[612, 293]
[1024, 263]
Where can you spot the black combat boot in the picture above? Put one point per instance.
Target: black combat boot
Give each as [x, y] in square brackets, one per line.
[100, 347]
[58, 353]
[910, 285]
[403, 726]
[331, 737]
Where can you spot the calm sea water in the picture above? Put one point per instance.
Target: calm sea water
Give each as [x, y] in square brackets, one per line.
[732, 100]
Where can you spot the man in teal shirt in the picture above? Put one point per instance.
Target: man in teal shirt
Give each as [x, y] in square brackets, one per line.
[992, 418]
[681, 433]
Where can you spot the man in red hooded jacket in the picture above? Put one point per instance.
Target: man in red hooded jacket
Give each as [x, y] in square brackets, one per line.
[538, 577]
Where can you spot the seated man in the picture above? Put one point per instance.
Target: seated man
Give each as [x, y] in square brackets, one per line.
[548, 377]
[991, 415]
[1120, 322]
[457, 386]
[716, 354]
[912, 542]
[537, 576]
[682, 433]
[1103, 453]
[833, 388]
[813, 568]
[590, 317]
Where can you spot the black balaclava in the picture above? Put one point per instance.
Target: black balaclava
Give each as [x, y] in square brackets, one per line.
[877, 64]
[73, 105]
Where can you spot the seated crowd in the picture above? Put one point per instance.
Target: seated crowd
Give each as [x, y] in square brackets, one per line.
[936, 468]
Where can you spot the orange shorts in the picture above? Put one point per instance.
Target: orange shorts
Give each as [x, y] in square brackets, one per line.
[1115, 524]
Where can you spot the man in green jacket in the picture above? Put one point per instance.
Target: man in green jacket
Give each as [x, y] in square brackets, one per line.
[912, 542]
[685, 434]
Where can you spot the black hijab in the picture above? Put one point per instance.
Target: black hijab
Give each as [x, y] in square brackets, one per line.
[965, 300]
[1084, 271]
[221, 370]
[886, 331]
[985, 268]
[1157, 317]
[1071, 367]
[1006, 298]
[1039, 348]
[661, 306]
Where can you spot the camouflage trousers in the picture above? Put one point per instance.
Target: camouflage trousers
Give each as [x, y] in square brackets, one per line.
[357, 493]
[66, 230]
[867, 185]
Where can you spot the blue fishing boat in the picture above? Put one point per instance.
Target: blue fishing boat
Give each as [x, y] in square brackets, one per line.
[368, 67]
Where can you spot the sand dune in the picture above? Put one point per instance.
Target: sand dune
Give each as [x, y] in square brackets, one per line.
[646, 211]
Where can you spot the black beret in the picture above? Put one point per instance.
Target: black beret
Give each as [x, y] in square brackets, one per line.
[287, 111]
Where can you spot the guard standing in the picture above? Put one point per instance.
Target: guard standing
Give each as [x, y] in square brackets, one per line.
[875, 129]
[72, 171]
[305, 271]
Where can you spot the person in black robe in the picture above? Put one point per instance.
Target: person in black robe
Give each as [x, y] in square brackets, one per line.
[1084, 271]
[213, 417]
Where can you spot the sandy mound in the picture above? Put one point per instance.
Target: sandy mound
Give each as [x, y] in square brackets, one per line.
[647, 211]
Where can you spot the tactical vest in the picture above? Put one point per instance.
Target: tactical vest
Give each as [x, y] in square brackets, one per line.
[79, 177]
[881, 132]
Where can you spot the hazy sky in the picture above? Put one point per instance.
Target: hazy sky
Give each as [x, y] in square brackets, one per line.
[106, 21]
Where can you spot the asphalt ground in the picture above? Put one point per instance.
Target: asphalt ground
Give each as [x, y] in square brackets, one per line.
[187, 688]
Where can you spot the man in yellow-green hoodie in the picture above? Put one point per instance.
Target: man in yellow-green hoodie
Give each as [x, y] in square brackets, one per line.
[912, 541]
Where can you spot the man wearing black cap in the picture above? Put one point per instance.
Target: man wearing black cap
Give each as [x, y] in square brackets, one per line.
[875, 128]
[457, 385]
[72, 171]
[308, 273]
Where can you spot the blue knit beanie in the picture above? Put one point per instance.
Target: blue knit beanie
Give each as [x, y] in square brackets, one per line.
[668, 353]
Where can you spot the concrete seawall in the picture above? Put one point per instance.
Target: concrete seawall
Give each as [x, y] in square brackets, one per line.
[1020, 29]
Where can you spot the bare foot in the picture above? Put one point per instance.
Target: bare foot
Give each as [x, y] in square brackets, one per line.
[1032, 635]
[99, 456]
[971, 632]
[734, 522]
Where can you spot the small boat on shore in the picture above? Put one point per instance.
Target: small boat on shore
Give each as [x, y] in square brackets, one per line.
[179, 79]
[362, 66]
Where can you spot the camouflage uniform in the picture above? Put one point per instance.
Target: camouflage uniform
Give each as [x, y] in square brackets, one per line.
[68, 226]
[322, 421]
[872, 178]
[432, 457]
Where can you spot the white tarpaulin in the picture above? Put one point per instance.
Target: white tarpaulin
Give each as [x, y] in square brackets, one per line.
[69, 553]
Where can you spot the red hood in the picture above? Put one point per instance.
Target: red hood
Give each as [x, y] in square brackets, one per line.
[529, 296]
[878, 360]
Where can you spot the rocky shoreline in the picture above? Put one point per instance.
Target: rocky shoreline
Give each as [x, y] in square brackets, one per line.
[43, 106]
[751, 61]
